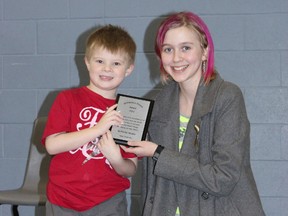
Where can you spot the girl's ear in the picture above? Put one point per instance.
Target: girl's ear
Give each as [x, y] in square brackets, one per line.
[205, 54]
[129, 70]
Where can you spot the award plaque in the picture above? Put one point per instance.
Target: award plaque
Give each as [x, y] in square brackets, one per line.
[136, 112]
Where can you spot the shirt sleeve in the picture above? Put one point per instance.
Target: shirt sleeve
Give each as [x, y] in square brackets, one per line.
[58, 120]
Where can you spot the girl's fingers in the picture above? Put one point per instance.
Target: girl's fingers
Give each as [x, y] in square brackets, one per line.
[134, 143]
[128, 149]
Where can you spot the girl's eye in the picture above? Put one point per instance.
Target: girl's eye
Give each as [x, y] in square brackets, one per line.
[186, 48]
[167, 49]
[99, 61]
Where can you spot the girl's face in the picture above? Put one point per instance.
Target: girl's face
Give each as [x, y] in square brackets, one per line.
[182, 55]
[107, 71]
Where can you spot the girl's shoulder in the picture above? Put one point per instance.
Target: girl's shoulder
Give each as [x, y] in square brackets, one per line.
[229, 89]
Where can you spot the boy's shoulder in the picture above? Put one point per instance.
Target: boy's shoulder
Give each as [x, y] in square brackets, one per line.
[69, 94]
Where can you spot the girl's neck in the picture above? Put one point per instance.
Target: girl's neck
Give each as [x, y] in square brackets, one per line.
[187, 96]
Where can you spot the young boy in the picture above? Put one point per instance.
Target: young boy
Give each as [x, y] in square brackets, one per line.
[88, 172]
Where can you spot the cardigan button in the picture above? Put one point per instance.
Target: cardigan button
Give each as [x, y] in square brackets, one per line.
[205, 195]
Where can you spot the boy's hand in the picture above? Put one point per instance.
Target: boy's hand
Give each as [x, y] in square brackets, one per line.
[123, 166]
[109, 148]
[110, 118]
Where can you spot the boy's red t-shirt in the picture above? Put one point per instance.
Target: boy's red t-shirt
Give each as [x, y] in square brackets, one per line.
[71, 184]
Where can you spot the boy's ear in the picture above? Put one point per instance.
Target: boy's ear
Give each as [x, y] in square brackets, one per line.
[129, 70]
[86, 61]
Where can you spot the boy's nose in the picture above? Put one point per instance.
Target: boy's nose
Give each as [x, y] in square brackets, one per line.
[107, 68]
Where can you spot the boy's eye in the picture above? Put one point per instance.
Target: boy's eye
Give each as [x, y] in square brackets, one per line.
[99, 61]
[117, 63]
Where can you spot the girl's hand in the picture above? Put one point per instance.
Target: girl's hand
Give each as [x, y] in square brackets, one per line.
[141, 148]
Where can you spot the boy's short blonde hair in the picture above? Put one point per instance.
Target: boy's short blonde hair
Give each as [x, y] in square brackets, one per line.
[113, 38]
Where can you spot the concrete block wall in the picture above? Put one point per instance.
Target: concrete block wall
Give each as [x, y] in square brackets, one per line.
[41, 52]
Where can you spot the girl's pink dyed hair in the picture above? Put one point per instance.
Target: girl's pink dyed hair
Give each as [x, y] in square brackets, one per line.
[196, 23]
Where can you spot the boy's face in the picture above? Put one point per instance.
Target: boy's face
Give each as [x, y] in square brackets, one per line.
[107, 71]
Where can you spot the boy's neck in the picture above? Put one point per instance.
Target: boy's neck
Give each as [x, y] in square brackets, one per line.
[106, 94]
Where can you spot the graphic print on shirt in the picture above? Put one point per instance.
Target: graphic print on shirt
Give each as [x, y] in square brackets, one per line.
[89, 116]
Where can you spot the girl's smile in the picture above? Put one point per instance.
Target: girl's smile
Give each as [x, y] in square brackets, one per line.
[182, 54]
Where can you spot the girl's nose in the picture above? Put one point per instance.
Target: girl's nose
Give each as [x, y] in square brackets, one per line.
[177, 56]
